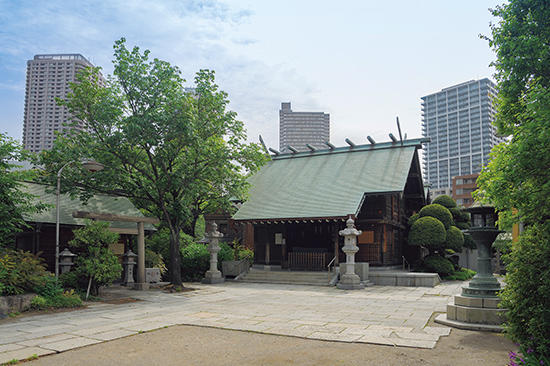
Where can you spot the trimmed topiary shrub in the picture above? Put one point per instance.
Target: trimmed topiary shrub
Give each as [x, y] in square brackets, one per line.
[438, 264]
[413, 219]
[445, 201]
[439, 212]
[454, 239]
[429, 232]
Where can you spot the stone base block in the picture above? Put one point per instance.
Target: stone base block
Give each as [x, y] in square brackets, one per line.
[141, 286]
[211, 281]
[476, 315]
[411, 279]
[443, 319]
[477, 302]
[14, 303]
[350, 286]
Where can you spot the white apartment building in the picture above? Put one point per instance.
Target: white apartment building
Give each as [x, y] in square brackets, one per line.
[458, 120]
[300, 128]
[48, 77]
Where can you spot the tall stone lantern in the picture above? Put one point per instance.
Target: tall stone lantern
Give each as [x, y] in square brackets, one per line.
[484, 232]
[477, 307]
[349, 280]
[213, 275]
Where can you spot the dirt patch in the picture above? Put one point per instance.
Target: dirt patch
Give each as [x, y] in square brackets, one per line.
[190, 345]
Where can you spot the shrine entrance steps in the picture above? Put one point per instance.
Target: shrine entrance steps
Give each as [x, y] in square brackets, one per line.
[286, 277]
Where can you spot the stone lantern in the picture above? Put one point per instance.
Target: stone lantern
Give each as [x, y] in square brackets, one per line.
[213, 275]
[349, 280]
[477, 307]
[129, 263]
[66, 260]
[484, 232]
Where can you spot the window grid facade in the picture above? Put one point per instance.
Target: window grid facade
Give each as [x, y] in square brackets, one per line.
[300, 128]
[458, 120]
[48, 77]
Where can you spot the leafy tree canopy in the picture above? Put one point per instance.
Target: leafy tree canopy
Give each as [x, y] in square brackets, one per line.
[517, 178]
[15, 203]
[176, 153]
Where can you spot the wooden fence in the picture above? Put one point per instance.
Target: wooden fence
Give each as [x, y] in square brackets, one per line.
[307, 261]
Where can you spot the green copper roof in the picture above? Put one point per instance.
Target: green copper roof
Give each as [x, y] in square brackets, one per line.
[98, 203]
[327, 183]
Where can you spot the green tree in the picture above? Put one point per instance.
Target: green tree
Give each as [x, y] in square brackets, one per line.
[15, 203]
[96, 261]
[176, 153]
[517, 178]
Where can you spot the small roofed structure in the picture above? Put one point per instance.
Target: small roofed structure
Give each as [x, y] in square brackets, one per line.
[300, 201]
[41, 236]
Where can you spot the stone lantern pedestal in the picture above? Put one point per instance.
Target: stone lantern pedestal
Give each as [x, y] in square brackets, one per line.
[349, 280]
[213, 275]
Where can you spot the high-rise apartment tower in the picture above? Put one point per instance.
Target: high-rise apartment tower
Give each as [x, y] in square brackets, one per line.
[300, 128]
[458, 120]
[47, 78]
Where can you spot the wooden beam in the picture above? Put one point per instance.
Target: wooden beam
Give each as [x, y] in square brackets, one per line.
[113, 217]
[119, 230]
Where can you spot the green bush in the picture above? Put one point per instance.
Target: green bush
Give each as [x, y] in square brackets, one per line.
[20, 271]
[429, 232]
[48, 287]
[462, 274]
[438, 264]
[196, 260]
[527, 291]
[38, 302]
[96, 260]
[445, 201]
[439, 212]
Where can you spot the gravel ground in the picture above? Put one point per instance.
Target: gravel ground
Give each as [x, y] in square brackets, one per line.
[190, 345]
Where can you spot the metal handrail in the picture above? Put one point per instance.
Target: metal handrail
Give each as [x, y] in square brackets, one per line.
[242, 261]
[333, 259]
[406, 261]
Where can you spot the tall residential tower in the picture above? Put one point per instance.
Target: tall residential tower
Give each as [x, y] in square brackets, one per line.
[48, 77]
[458, 120]
[300, 128]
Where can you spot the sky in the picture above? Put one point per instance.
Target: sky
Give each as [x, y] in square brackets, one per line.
[364, 62]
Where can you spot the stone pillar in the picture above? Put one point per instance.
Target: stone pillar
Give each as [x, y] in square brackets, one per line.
[129, 263]
[213, 275]
[349, 280]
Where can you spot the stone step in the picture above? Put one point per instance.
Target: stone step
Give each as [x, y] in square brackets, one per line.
[287, 277]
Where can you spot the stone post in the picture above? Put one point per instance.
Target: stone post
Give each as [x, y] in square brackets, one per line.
[129, 263]
[349, 280]
[213, 275]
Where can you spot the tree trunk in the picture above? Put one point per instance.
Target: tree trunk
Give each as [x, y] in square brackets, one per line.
[175, 262]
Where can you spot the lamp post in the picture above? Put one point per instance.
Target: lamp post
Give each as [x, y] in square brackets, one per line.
[92, 166]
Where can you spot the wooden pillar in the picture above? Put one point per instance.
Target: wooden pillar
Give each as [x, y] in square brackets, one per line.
[336, 241]
[141, 282]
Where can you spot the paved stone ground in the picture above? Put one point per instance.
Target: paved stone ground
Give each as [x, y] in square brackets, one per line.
[395, 316]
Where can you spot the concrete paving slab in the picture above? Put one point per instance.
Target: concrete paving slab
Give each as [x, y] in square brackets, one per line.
[379, 315]
[69, 344]
[23, 353]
